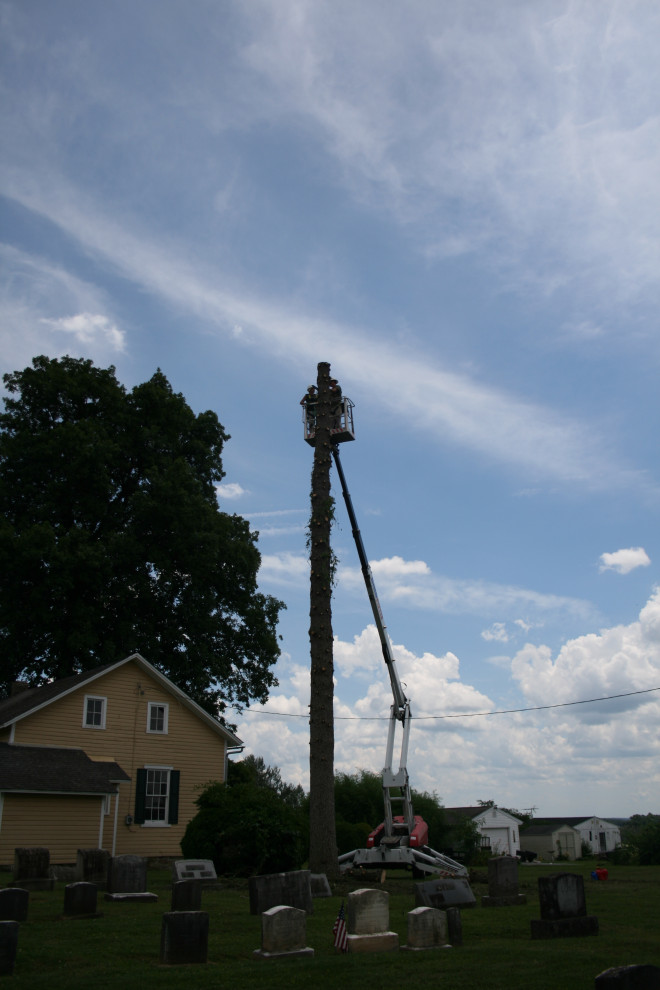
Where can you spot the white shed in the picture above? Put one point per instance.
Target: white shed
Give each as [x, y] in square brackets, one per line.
[499, 830]
[601, 836]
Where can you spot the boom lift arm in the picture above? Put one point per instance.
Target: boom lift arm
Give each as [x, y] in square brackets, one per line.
[396, 785]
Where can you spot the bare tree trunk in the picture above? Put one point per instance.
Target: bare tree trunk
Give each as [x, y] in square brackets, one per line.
[322, 837]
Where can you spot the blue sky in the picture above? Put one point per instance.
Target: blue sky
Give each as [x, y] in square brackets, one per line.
[458, 207]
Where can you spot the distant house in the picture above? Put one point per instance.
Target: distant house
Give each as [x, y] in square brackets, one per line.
[499, 830]
[600, 835]
[551, 839]
[111, 758]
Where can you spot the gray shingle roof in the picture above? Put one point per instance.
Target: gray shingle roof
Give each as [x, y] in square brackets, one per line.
[53, 770]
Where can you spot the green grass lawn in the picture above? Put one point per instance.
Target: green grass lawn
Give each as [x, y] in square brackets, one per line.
[121, 948]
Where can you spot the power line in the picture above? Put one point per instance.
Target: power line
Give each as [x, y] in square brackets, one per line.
[503, 711]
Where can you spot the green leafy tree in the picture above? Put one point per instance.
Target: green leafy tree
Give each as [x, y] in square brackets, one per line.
[642, 834]
[250, 825]
[111, 539]
[360, 808]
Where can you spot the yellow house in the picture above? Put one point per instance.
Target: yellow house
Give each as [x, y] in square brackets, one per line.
[112, 758]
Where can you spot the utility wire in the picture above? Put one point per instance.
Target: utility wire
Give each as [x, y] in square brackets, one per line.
[504, 711]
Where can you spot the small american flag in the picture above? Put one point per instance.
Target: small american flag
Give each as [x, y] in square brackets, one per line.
[339, 930]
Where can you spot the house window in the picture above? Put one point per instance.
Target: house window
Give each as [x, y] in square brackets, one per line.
[485, 842]
[94, 712]
[157, 715]
[157, 796]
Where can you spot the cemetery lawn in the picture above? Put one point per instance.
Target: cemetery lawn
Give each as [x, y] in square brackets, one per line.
[121, 949]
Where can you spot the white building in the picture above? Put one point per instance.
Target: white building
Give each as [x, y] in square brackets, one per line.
[500, 831]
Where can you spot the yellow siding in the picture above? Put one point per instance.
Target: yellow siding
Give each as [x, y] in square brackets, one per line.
[190, 746]
[62, 824]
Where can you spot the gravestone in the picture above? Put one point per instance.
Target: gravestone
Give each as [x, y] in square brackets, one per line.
[273, 889]
[563, 908]
[8, 946]
[14, 904]
[127, 879]
[427, 929]
[629, 978]
[454, 926]
[368, 922]
[184, 938]
[92, 866]
[283, 933]
[502, 883]
[186, 895]
[195, 869]
[320, 886]
[80, 900]
[31, 868]
[444, 892]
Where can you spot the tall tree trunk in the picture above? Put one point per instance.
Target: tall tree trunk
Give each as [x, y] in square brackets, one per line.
[322, 837]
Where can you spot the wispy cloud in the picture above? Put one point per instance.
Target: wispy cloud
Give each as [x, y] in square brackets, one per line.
[446, 404]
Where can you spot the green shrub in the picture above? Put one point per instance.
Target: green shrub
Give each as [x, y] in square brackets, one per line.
[246, 828]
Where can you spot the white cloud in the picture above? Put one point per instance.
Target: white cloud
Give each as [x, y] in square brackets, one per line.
[624, 561]
[497, 632]
[614, 661]
[288, 569]
[230, 490]
[395, 567]
[88, 327]
[413, 585]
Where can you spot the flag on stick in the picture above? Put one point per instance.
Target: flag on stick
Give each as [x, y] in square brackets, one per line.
[339, 931]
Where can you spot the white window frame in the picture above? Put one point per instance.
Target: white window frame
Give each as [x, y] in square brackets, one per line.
[157, 823]
[104, 708]
[166, 715]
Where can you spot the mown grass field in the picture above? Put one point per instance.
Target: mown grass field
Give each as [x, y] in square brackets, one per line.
[121, 948]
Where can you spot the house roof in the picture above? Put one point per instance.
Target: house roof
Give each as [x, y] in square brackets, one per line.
[545, 829]
[55, 770]
[581, 820]
[454, 815]
[30, 700]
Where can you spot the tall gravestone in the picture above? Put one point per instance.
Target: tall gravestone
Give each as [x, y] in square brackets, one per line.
[186, 895]
[184, 938]
[283, 933]
[127, 879]
[368, 922]
[92, 866]
[80, 900]
[563, 908]
[8, 946]
[32, 868]
[14, 903]
[273, 889]
[427, 929]
[502, 883]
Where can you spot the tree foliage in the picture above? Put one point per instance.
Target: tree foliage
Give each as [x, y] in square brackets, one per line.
[112, 542]
[642, 834]
[255, 823]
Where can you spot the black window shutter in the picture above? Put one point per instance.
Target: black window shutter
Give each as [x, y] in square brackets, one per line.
[140, 794]
[173, 812]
